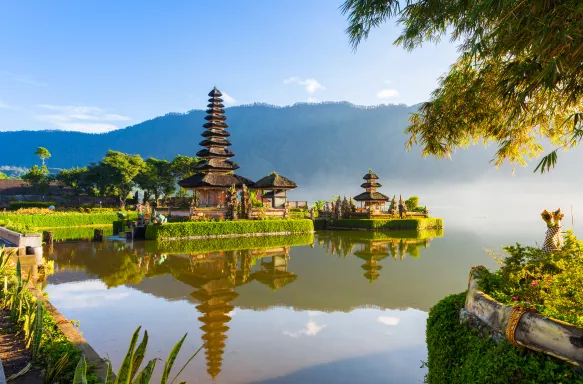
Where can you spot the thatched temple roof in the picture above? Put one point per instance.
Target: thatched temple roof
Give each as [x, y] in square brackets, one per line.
[215, 169]
[371, 196]
[275, 182]
[209, 180]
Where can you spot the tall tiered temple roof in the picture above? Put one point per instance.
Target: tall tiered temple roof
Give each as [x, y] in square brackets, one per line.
[371, 195]
[215, 170]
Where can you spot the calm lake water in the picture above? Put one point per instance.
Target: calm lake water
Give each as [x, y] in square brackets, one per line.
[347, 307]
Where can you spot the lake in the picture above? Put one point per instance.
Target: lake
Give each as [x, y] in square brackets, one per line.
[346, 307]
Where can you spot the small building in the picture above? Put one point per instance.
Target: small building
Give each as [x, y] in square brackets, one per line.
[371, 199]
[276, 188]
[215, 173]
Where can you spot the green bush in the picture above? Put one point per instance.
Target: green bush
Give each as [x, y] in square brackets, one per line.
[64, 233]
[119, 226]
[215, 228]
[63, 219]
[415, 224]
[549, 282]
[17, 227]
[15, 205]
[230, 243]
[458, 355]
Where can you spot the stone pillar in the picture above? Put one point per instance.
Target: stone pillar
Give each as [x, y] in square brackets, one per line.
[48, 238]
[98, 235]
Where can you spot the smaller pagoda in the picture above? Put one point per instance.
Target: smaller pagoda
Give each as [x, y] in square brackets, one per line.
[371, 199]
[274, 188]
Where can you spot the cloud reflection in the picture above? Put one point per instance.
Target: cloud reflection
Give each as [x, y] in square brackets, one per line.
[87, 294]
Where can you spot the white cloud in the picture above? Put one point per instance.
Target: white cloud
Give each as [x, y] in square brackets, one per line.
[310, 85]
[80, 118]
[88, 294]
[22, 79]
[229, 100]
[387, 93]
[311, 329]
[388, 81]
[388, 320]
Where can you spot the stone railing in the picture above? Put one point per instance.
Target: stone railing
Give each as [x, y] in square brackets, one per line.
[19, 240]
[525, 329]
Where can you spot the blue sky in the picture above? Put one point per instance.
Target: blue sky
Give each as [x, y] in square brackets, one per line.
[94, 66]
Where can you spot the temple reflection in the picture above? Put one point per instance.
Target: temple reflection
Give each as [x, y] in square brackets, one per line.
[219, 278]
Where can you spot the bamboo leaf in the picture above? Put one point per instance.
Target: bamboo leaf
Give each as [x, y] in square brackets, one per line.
[170, 361]
[123, 376]
[81, 372]
[37, 330]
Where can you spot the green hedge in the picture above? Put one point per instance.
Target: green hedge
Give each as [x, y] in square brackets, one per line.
[119, 226]
[458, 355]
[386, 224]
[214, 228]
[63, 233]
[230, 243]
[62, 219]
[15, 205]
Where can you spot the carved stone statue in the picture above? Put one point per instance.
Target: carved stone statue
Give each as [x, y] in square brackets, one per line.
[158, 218]
[402, 207]
[338, 208]
[232, 203]
[553, 236]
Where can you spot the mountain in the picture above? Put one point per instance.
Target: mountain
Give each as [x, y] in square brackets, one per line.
[324, 146]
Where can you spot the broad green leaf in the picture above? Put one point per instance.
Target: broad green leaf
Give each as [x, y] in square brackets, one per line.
[81, 372]
[139, 355]
[170, 361]
[123, 376]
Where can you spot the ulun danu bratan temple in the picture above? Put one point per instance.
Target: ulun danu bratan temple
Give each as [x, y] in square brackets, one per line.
[216, 172]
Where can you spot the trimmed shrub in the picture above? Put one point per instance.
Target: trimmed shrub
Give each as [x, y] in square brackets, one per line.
[458, 355]
[63, 219]
[119, 226]
[231, 243]
[15, 205]
[217, 228]
[64, 234]
[386, 224]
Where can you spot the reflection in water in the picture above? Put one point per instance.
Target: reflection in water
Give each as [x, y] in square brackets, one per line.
[224, 280]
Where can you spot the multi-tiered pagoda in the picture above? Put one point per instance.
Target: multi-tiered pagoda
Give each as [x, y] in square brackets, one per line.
[371, 198]
[215, 173]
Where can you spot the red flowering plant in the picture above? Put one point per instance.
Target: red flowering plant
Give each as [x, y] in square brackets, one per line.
[551, 283]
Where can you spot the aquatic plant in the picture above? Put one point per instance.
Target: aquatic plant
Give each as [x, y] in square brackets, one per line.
[128, 372]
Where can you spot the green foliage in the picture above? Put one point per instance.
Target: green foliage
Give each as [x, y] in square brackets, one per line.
[15, 205]
[128, 372]
[16, 226]
[415, 224]
[518, 76]
[122, 169]
[3, 176]
[458, 355]
[62, 219]
[232, 243]
[78, 233]
[119, 226]
[156, 178]
[43, 154]
[215, 228]
[412, 203]
[38, 178]
[182, 167]
[77, 179]
[549, 282]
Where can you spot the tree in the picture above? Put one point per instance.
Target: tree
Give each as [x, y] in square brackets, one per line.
[121, 171]
[183, 167]
[43, 153]
[518, 77]
[98, 180]
[38, 178]
[76, 179]
[156, 178]
[3, 176]
[412, 202]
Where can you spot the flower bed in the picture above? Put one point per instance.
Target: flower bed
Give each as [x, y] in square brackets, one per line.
[202, 229]
[550, 283]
